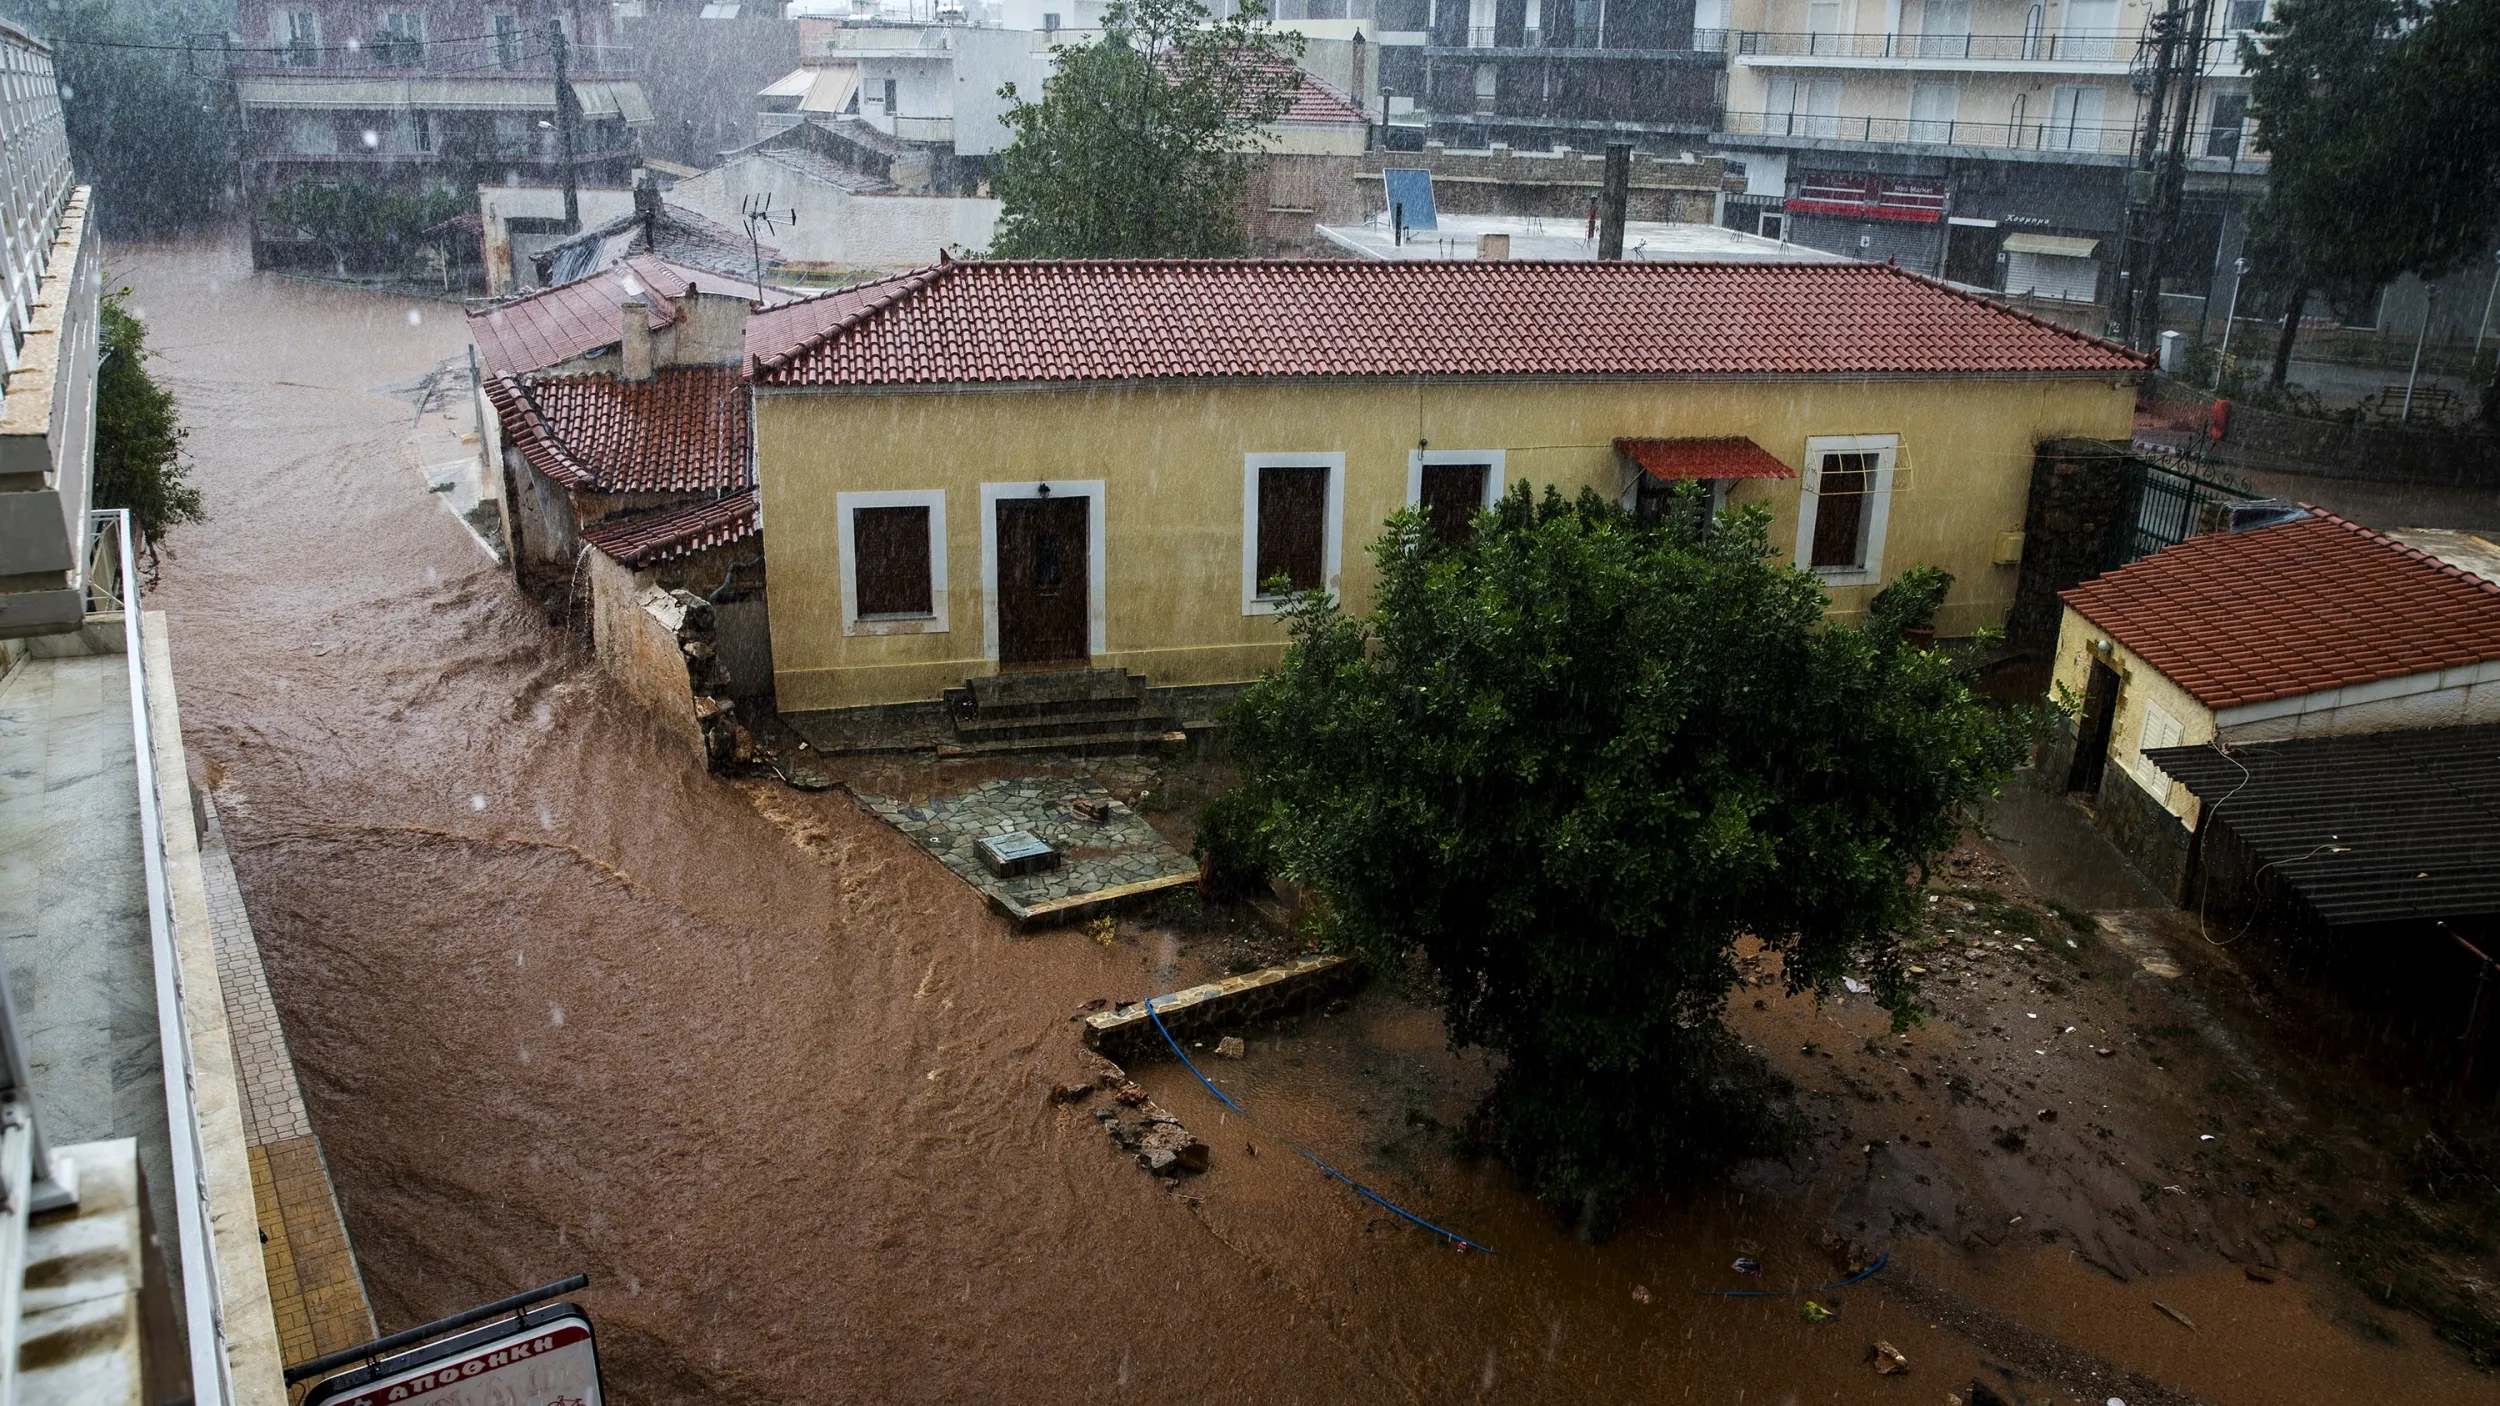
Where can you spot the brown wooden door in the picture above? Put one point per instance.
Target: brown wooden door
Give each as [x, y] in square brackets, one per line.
[1043, 560]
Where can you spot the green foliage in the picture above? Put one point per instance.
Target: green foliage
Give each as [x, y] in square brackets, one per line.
[1909, 603]
[1142, 144]
[1572, 760]
[1232, 836]
[151, 128]
[2383, 139]
[364, 226]
[138, 431]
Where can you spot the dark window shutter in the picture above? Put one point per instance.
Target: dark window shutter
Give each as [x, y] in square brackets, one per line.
[1293, 522]
[1840, 510]
[1451, 495]
[891, 547]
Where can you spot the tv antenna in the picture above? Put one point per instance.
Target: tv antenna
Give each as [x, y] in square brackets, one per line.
[760, 217]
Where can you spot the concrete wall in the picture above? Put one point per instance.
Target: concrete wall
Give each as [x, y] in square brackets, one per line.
[508, 256]
[634, 633]
[1172, 461]
[47, 437]
[840, 228]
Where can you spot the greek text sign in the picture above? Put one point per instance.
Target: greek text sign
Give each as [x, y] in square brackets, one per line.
[549, 1363]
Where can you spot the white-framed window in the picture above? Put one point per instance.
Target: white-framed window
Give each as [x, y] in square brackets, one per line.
[1807, 109]
[298, 37]
[1933, 108]
[1846, 507]
[1292, 520]
[2090, 31]
[1450, 485]
[893, 546]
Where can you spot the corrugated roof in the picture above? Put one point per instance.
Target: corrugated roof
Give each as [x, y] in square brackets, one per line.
[1673, 459]
[654, 539]
[682, 431]
[987, 321]
[551, 325]
[2302, 607]
[2372, 827]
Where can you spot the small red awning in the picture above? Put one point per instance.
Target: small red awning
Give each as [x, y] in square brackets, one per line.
[1674, 459]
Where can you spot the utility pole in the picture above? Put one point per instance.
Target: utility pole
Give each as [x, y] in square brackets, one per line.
[1616, 200]
[567, 107]
[2140, 224]
[2188, 65]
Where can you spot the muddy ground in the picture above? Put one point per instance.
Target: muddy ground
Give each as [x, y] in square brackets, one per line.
[778, 1083]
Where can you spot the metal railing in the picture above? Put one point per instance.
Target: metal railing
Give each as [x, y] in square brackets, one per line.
[203, 1296]
[2088, 139]
[524, 54]
[34, 180]
[2110, 46]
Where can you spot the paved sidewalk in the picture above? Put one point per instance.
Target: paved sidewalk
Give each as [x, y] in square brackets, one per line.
[314, 1284]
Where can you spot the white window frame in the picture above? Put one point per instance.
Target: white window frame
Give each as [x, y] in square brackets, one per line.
[1097, 553]
[1887, 449]
[1332, 524]
[1495, 472]
[291, 53]
[931, 623]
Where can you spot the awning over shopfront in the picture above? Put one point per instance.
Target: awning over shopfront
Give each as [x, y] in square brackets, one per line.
[2059, 246]
[620, 98]
[1853, 195]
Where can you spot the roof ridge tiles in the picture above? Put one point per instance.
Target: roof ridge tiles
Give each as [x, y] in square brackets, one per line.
[2404, 548]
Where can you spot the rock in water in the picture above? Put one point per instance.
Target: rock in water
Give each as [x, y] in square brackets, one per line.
[1231, 1047]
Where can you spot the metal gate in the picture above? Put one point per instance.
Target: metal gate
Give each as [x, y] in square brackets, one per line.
[2160, 507]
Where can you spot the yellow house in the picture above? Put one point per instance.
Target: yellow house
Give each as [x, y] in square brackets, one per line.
[993, 465]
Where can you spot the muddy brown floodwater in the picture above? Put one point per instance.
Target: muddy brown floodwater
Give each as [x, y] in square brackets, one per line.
[562, 1002]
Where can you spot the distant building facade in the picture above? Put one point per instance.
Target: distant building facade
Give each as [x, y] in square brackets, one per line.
[412, 94]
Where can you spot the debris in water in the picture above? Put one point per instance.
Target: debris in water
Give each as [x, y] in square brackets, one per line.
[1887, 1359]
[1747, 1264]
[1231, 1047]
[2182, 1319]
[1640, 1293]
[1854, 986]
[1816, 1313]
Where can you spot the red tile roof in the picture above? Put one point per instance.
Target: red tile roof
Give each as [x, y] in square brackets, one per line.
[791, 324]
[551, 325]
[1672, 459]
[656, 538]
[988, 321]
[1316, 101]
[682, 431]
[2321, 603]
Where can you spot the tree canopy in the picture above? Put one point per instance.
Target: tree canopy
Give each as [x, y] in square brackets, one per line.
[2383, 141]
[1572, 760]
[1142, 143]
[138, 431]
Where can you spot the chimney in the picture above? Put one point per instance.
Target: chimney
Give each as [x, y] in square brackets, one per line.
[1492, 246]
[647, 206]
[1616, 200]
[636, 325]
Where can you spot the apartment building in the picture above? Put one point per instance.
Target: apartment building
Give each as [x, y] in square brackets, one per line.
[406, 94]
[1536, 74]
[1987, 142]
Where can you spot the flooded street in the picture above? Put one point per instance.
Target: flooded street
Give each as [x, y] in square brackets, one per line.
[778, 1084]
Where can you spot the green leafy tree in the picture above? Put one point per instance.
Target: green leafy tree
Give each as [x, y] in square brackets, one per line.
[363, 225]
[1571, 761]
[143, 93]
[2378, 119]
[138, 432]
[1142, 143]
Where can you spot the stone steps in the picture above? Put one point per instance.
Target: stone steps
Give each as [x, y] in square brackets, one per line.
[1126, 740]
[1070, 710]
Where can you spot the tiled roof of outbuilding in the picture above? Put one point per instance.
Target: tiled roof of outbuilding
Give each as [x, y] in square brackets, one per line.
[547, 326]
[656, 538]
[991, 321]
[2301, 607]
[682, 431]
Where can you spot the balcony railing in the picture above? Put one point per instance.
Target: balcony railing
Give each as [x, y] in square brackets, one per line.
[2085, 46]
[2093, 139]
[1705, 41]
[522, 54]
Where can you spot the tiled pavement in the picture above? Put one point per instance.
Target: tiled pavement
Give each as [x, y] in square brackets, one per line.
[313, 1280]
[1124, 850]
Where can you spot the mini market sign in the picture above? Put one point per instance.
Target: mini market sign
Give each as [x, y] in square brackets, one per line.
[540, 1359]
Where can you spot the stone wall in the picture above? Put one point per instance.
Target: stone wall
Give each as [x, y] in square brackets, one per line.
[1127, 1031]
[659, 644]
[2267, 440]
[2154, 840]
[2076, 488]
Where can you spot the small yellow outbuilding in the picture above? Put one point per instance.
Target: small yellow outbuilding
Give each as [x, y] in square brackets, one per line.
[999, 465]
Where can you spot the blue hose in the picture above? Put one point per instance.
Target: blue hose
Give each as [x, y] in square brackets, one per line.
[1359, 1189]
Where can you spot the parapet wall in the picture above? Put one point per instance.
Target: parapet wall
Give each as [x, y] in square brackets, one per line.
[1127, 1031]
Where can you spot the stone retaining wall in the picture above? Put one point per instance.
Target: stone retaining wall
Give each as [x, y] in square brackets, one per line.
[1126, 1031]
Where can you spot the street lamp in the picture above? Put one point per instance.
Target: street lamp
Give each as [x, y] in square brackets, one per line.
[2239, 274]
[2430, 300]
[2485, 325]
